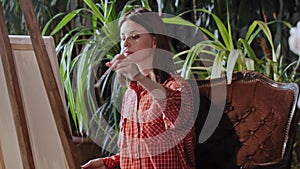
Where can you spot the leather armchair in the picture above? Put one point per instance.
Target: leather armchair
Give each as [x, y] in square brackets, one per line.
[258, 124]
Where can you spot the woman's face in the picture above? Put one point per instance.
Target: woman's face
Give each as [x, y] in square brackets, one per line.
[135, 38]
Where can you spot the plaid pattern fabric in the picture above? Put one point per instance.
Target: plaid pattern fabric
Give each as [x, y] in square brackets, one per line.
[156, 134]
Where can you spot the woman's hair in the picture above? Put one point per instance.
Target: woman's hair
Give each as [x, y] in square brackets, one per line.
[163, 66]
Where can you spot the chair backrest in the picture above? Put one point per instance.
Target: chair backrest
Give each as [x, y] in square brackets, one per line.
[258, 126]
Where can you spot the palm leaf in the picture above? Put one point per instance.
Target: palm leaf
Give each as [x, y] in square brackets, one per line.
[217, 66]
[95, 10]
[65, 21]
[232, 58]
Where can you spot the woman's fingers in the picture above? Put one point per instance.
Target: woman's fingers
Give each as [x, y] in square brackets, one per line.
[115, 65]
[94, 164]
[116, 58]
[124, 66]
[118, 63]
[127, 68]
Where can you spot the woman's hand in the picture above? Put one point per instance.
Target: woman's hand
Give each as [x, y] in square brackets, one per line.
[117, 58]
[124, 66]
[128, 69]
[94, 164]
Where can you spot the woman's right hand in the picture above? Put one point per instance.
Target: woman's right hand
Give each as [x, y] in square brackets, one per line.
[116, 60]
[113, 63]
[94, 164]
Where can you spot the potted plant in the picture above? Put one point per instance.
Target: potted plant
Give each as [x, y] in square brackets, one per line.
[83, 52]
[225, 57]
[101, 44]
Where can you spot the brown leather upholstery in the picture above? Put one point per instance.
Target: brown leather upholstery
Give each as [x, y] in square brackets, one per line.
[258, 126]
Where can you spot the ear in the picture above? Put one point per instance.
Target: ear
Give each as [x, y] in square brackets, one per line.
[154, 42]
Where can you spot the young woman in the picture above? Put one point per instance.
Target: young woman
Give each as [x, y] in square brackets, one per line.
[157, 111]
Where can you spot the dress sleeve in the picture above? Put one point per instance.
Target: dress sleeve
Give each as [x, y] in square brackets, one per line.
[112, 162]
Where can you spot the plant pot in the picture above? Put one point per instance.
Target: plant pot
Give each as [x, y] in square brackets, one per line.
[86, 149]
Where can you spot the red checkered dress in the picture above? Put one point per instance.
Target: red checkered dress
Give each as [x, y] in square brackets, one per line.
[156, 134]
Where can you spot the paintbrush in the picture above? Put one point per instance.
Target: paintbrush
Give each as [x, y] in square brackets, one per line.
[108, 70]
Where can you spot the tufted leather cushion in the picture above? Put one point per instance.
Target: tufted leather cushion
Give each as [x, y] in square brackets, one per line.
[258, 117]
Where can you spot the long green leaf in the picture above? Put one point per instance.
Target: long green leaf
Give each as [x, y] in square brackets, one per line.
[226, 36]
[178, 21]
[250, 64]
[146, 5]
[95, 10]
[233, 55]
[65, 21]
[188, 63]
[229, 28]
[109, 11]
[264, 27]
[217, 66]
[49, 22]
[249, 51]
[249, 37]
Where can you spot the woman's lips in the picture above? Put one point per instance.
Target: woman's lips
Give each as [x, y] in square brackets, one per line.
[128, 53]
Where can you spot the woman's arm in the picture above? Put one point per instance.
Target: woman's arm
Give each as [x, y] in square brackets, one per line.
[174, 100]
[112, 162]
[156, 90]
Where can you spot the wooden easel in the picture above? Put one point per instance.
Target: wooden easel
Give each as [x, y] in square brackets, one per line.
[13, 89]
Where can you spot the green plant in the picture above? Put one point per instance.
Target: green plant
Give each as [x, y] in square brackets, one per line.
[97, 39]
[93, 109]
[227, 57]
[44, 9]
